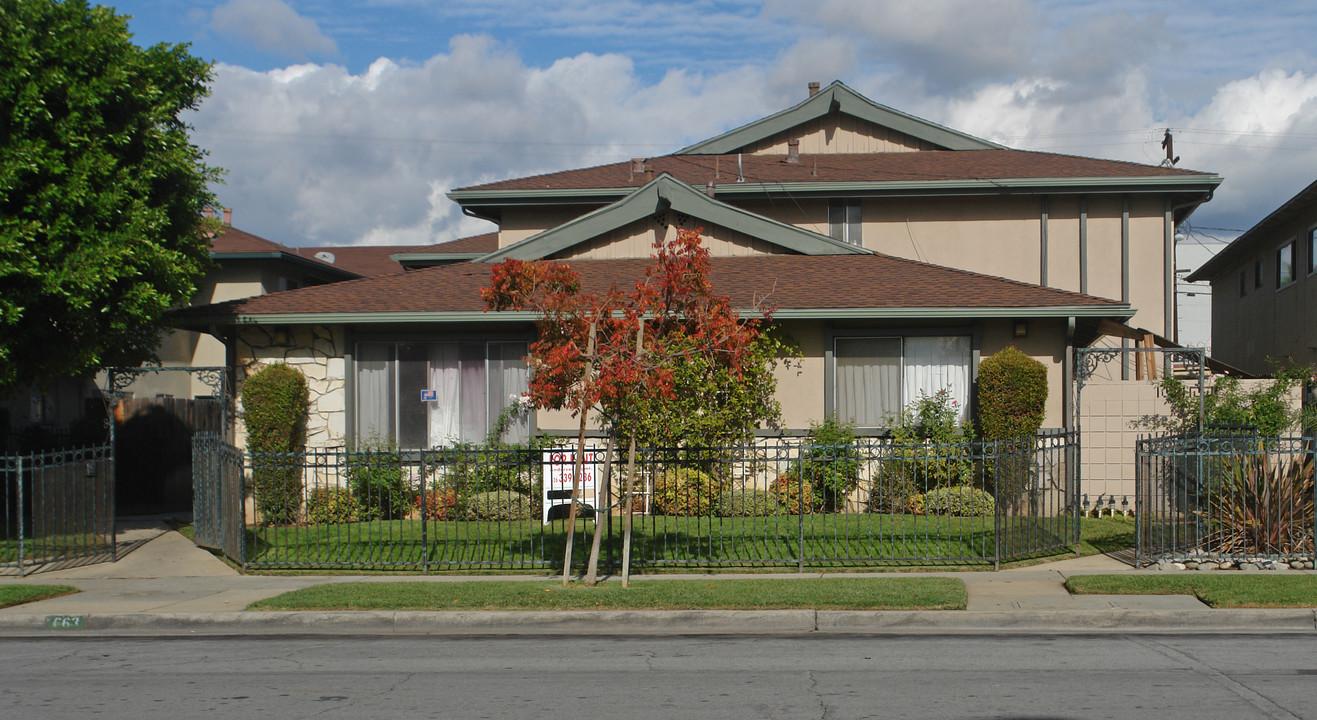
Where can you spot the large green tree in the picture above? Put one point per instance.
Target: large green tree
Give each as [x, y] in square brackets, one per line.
[101, 191]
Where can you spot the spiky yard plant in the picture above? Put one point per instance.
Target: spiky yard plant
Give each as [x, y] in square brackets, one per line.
[1262, 506]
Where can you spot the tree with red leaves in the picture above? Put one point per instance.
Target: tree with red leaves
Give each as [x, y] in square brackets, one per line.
[670, 363]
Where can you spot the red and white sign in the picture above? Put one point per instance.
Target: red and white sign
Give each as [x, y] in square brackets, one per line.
[559, 465]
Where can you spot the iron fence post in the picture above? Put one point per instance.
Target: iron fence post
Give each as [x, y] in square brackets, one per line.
[800, 507]
[18, 477]
[425, 527]
[997, 510]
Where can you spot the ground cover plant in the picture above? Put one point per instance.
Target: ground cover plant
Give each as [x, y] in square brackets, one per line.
[18, 594]
[888, 593]
[1220, 589]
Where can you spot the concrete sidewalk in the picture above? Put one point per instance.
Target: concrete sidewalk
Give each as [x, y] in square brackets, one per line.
[164, 584]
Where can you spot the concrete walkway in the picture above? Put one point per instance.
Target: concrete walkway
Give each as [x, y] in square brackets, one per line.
[162, 583]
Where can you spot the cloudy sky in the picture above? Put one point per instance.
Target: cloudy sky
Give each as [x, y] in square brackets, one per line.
[346, 121]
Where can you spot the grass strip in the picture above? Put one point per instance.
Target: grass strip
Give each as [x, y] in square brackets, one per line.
[18, 594]
[895, 593]
[1216, 589]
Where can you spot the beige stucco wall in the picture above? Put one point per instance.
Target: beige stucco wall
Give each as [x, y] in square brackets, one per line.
[839, 133]
[636, 240]
[1267, 323]
[520, 223]
[999, 236]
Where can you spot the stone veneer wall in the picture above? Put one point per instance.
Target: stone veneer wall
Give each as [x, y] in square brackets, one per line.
[315, 350]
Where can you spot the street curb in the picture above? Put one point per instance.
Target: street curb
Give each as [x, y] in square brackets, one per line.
[663, 622]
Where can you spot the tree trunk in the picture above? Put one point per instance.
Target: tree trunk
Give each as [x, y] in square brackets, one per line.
[628, 498]
[628, 503]
[592, 568]
[578, 466]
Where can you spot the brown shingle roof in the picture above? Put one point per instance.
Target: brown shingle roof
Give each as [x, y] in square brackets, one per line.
[372, 260]
[868, 167]
[231, 240]
[785, 281]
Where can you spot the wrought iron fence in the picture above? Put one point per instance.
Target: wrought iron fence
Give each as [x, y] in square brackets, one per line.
[1224, 495]
[56, 506]
[767, 504]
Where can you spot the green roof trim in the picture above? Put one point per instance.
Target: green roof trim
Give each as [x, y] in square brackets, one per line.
[660, 194]
[976, 186]
[524, 316]
[843, 99]
[426, 259]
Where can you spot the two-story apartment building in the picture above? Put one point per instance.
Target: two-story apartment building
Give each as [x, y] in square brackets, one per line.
[896, 251]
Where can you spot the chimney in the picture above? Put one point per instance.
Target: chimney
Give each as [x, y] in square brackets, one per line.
[208, 211]
[793, 151]
[228, 216]
[637, 167]
[814, 88]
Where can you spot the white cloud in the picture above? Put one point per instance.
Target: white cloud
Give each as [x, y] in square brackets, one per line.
[319, 155]
[272, 26]
[948, 44]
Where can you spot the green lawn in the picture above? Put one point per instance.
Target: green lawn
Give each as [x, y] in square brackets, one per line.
[1218, 589]
[19, 594]
[889, 593]
[658, 541]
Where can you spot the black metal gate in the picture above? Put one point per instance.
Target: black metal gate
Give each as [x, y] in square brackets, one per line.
[218, 513]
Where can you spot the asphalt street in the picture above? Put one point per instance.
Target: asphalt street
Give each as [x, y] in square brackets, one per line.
[812, 676]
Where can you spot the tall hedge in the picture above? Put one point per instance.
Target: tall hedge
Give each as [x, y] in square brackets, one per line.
[274, 406]
[1012, 395]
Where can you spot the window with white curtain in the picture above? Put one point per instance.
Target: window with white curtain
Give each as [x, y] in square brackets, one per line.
[472, 382]
[875, 377]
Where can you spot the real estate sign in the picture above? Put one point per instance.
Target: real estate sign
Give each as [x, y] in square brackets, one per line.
[558, 468]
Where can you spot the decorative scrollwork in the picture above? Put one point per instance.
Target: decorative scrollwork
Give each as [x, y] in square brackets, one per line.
[1090, 359]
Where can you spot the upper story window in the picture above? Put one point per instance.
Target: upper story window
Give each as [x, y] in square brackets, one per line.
[1285, 264]
[844, 221]
[1257, 273]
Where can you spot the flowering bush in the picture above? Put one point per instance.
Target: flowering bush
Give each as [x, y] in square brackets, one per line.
[934, 446]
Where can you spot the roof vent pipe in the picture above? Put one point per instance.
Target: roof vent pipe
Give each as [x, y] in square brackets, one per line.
[814, 88]
[793, 151]
[710, 188]
[740, 169]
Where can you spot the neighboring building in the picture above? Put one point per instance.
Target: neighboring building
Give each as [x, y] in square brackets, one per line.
[1264, 292]
[896, 251]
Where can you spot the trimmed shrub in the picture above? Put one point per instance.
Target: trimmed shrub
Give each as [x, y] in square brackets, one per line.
[793, 496]
[274, 408]
[440, 503]
[331, 506]
[1012, 395]
[501, 505]
[379, 482]
[961, 501]
[748, 503]
[685, 491]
